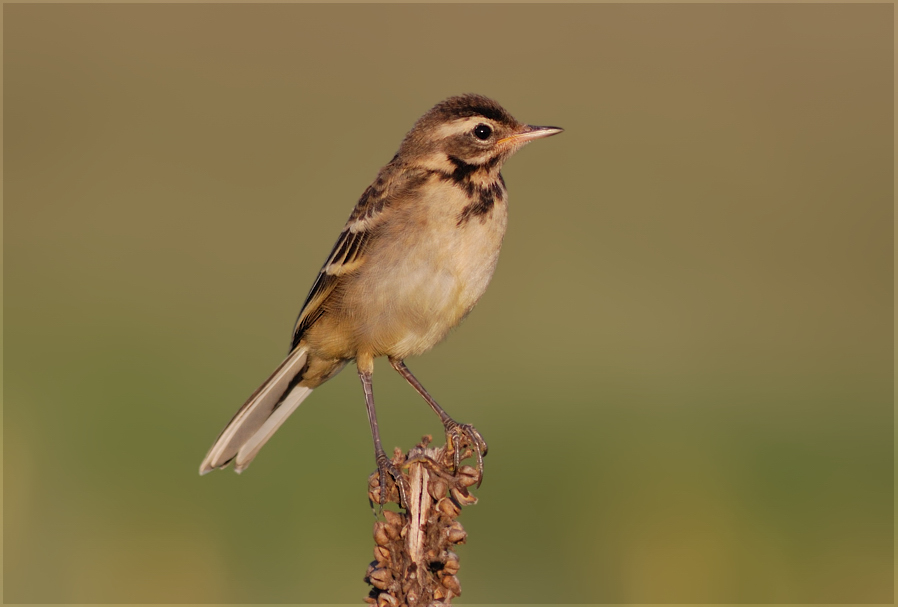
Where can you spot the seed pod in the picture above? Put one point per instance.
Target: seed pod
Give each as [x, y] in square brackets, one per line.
[438, 488]
[371, 567]
[467, 476]
[452, 584]
[393, 494]
[380, 578]
[456, 534]
[451, 565]
[394, 518]
[385, 599]
[392, 531]
[398, 457]
[381, 555]
[439, 593]
[461, 495]
[381, 537]
[448, 507]
[374, 488]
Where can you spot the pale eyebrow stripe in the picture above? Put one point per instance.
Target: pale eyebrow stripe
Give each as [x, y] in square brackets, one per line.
[460, 125]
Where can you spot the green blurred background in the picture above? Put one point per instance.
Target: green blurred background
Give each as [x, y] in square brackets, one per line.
[683, 366]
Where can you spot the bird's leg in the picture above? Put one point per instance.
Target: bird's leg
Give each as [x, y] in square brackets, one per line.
[384, 465]
[456, 433]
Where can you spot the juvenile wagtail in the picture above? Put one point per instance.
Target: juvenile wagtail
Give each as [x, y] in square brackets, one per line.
[415, 256]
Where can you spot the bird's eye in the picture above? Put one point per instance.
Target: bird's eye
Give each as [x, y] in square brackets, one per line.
[482, 132]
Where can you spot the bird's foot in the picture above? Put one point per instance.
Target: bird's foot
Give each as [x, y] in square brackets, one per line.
[459, 436]
[382, 491]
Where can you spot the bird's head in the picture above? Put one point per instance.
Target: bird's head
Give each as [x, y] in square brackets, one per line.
[472, 130]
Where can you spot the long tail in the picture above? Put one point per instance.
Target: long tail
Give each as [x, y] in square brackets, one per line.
[260, 416]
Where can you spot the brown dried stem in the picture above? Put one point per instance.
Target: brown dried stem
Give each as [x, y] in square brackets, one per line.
[413, 561]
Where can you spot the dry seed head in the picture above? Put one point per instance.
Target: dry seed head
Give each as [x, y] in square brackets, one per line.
[467, 476]
[451, 565]
[374, 487]
[394, 519]
[438, 489]
[380, 578]
[452, 584]
[461, 495]
[381, 537]
[456, 534]
[398, 457]
[448, 507]
[414, 566]
[381, 555]
[385, 599]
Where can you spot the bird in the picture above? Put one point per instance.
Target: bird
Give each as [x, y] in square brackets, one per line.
[415, 256]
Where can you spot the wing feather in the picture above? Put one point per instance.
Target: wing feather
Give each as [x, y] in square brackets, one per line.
[393, 184]
[345, 257]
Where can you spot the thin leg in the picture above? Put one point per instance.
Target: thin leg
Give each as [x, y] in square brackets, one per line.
[456, 433]
[384, 465]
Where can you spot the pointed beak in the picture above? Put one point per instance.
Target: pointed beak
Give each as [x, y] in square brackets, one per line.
[528, 133]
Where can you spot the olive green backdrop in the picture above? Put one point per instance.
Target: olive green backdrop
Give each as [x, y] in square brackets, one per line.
[683, 366]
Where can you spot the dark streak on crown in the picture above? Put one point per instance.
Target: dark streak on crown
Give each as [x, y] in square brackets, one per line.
[488, 112]
[467, 105]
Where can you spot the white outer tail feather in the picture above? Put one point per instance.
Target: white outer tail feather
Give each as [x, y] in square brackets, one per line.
[251, 447]
[260, 416]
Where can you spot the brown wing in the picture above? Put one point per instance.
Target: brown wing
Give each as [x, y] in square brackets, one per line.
[346, 256]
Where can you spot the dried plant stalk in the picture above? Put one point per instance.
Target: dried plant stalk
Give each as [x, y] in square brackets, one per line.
[414, 563]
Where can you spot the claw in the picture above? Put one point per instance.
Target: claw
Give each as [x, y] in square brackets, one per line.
[458, 435]
[384, 467]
